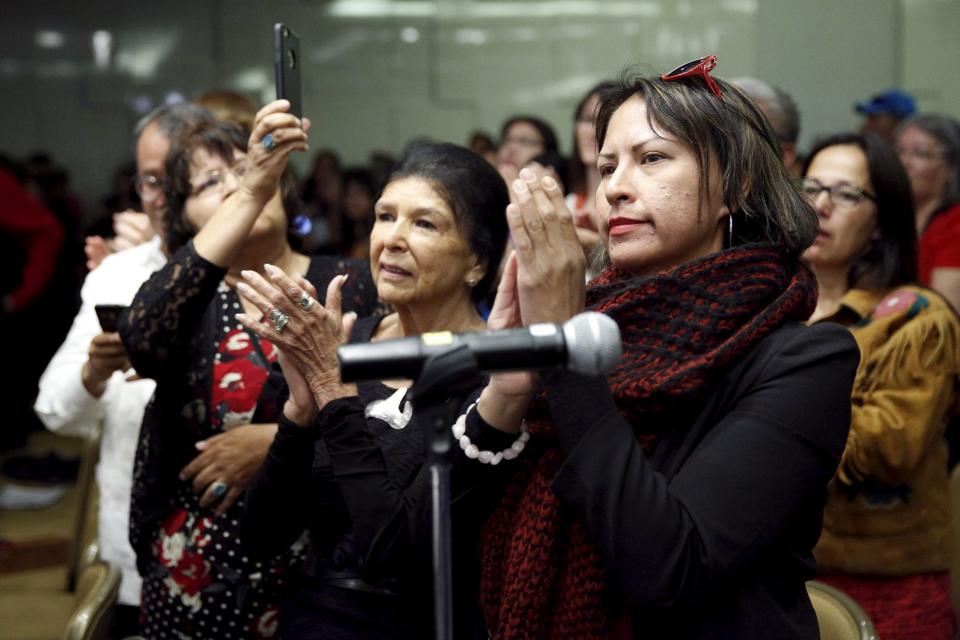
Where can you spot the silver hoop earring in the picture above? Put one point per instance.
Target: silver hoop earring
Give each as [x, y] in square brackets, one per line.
[730, 230]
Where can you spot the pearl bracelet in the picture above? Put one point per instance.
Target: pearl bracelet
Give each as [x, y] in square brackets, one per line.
[487, 457]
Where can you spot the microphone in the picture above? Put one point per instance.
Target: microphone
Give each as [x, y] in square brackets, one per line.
[588, 343]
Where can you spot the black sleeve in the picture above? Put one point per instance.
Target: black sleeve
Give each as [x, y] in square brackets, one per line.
[761, 469]
[391, 523]
[166, 311]
[281, 499]
[359, 293]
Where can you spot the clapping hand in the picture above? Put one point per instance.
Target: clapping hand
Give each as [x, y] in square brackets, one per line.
[132, 228]
[307, 332]
[550, 263]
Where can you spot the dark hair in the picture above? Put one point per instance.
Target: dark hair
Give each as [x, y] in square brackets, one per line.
[475, 193]
[481, 142]
[576, 174]
[946, 131]
[545, 130]
[891, 259]
[328, 155]
[361, 176]
[354, 231]
[218, 138]
[765, 201]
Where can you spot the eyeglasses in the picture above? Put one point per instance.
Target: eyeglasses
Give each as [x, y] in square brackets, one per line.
[925, 155]
[215, 179]
[701, 67]
[845, 196]
[148, 187]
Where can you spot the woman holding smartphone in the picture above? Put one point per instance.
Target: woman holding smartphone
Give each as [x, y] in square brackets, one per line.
[224, 214]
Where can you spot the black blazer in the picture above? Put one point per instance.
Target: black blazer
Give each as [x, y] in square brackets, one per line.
[710, 533]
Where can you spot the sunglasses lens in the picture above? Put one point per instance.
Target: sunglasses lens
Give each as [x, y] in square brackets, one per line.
[684, 68]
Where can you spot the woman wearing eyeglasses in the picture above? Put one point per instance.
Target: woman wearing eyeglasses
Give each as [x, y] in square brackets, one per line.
[886, 526]
[214, 414]
[681, 495]
[929, 147]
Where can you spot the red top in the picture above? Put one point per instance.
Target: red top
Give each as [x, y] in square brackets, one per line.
[37, 230]
[940, 244]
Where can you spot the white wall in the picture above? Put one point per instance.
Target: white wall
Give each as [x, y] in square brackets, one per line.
[379, 72]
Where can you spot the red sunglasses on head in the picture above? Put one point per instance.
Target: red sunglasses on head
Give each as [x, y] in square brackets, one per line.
[700, 67]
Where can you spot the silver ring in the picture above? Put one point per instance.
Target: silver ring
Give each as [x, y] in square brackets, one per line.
[268, 143]
[305, 301]
[278, 319]
[219, 489]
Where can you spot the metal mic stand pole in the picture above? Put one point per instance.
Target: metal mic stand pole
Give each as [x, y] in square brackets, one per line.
[436, 394]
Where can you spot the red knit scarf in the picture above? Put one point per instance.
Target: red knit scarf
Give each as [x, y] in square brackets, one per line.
[541, 574]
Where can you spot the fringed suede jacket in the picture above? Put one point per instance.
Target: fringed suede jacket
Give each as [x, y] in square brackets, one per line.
[888, 511]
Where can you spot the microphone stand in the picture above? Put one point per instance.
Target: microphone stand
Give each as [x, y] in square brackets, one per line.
[445, 376]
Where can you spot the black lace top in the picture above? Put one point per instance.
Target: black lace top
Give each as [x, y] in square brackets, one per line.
[170, 333]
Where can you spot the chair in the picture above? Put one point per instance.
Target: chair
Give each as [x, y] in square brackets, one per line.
[41, 610]
[96, 596]
[84, 524]
[955, 540]
[90, 555]
[839, 617]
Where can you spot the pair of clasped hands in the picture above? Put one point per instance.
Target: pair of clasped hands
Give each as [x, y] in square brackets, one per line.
[542, 281]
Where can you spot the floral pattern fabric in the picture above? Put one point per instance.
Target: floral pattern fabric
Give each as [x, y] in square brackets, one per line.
[181, 331]
[201, 585]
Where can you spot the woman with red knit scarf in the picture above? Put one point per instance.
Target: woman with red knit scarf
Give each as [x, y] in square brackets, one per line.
[681, 496]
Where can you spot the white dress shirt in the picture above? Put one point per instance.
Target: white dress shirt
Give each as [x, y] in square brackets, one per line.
[65, 406]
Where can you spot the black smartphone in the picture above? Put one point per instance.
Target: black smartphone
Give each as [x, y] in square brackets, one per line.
[286, 66]
[109, 316]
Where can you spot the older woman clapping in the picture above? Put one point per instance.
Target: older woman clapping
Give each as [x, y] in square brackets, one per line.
[363, 491]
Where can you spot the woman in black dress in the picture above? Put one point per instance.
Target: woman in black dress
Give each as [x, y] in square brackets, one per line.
[347, 462]
[224, 214]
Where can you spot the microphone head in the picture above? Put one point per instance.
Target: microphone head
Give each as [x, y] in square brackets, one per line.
[593, 343]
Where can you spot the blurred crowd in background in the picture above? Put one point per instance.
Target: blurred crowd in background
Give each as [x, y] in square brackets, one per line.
[47, 257]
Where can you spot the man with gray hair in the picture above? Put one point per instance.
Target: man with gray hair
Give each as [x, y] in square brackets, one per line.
[152, 134]
[780, 109]
[88, 384]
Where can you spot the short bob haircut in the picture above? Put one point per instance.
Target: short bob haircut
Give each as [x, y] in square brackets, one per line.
[475, 193]
[765, 201]
[891, 259]
[221, 139]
